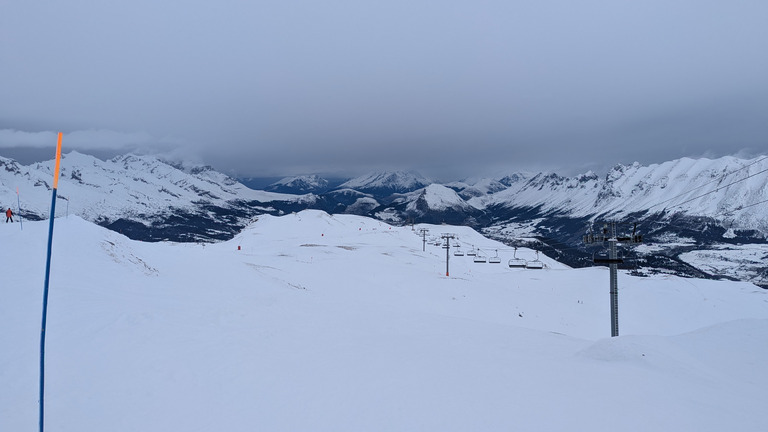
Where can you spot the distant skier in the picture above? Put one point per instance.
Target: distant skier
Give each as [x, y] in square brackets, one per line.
[8, 215]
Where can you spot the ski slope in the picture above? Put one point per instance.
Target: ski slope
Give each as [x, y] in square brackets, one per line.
[342, 323]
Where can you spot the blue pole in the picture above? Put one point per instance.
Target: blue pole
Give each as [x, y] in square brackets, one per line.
[45, 309]
[47, 279]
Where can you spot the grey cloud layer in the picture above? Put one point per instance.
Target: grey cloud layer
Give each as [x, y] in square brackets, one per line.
[273, 87]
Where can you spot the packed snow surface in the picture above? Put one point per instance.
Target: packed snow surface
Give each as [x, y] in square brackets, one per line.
[342, 323]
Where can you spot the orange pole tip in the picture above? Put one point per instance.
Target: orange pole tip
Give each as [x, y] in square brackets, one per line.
[58, 162]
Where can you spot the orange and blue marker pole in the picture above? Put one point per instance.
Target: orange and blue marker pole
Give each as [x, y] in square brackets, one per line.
[47, 279]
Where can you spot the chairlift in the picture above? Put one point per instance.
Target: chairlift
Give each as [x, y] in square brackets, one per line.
[599, 257]
[472, 252]
[516, 262]
[495, 259]
[458, 251]
[535, 264]
[604, 258]
[479, 257]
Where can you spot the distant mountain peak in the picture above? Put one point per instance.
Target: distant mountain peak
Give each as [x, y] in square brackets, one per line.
[511, 179]
[388, 182]
[300, 184]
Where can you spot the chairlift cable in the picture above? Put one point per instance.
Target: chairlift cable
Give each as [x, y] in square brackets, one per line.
[720, 187]
[719, 179]
[740, 208]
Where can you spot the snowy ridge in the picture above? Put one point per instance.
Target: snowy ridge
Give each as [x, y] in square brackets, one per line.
[300, 184]
[477, 187]
[121, 187]
[392, 182]
[671, 186]
[437, 198]
[318, 322]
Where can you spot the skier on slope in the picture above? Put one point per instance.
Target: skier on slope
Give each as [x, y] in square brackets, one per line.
[8, 215]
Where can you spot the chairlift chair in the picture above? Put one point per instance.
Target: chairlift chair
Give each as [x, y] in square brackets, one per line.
[516, 262]
[495, 259]
[458, 251]
[479, 257]
[603, 258]
[472, 252]
[535, 264]
[598, 257]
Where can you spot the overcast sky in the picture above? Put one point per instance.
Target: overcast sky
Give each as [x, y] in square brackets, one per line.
[453, 87]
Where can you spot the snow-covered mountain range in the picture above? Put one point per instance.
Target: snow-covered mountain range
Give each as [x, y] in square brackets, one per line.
[686, 208]
[137, 189]
[723, 189]
[729, 190]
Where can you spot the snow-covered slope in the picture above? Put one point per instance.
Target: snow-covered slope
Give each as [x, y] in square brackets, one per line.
[387, 182]
[342, 323]
[437, 198]
[124, 187]
[477, 187]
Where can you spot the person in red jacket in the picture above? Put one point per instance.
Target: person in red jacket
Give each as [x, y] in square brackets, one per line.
[8, 215]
